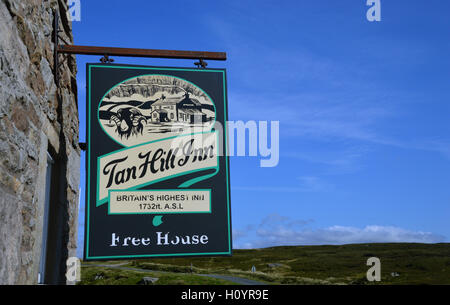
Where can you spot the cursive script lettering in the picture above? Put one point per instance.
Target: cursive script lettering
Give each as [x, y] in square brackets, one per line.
[151, 162]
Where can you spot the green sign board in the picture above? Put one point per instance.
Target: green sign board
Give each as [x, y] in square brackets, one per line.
[157, 180]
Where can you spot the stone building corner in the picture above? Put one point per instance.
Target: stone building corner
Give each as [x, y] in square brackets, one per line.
[38, 123]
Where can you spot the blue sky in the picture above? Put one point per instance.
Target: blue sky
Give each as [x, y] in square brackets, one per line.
[363, 109]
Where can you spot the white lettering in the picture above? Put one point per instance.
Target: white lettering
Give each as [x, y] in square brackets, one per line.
[115, 240]
[374, 272]
[136, 241]
[204, 239]
[159, 238]
[274, 150]
[73, 273]
[374, 12]
[74, 10]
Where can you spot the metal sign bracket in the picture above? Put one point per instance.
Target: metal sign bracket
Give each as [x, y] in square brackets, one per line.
[67, 50]
[106, 52]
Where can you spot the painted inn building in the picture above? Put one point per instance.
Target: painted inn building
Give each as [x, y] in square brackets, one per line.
[177, 109]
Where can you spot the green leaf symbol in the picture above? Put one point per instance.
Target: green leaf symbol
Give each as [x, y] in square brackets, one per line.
[157, 220]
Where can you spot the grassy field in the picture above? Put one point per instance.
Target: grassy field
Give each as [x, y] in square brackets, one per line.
[112, 276]
[401, 263]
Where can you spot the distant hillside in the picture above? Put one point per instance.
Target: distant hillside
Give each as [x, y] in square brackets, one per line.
[148, 86]
[401, 263]
[108, 108]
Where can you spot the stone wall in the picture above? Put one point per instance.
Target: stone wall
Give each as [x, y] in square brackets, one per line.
[36, 117]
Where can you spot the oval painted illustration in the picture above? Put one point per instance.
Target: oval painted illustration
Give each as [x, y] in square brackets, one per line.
[152, 107]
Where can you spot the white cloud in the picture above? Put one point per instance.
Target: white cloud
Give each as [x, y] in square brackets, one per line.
[238, 234]
[276, 230]
[318, 96]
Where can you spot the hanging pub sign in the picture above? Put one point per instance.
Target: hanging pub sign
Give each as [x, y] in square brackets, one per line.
[157, 179]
